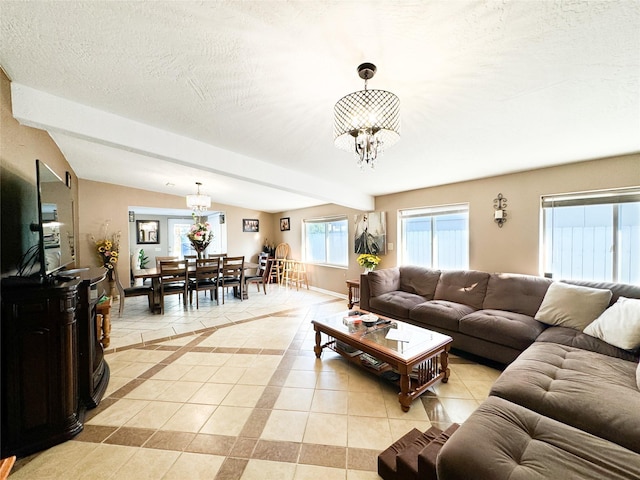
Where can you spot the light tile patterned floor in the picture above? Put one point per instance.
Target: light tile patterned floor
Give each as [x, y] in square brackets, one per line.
[243, 398]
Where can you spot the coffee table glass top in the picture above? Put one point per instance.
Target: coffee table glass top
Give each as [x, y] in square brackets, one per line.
[403, 339]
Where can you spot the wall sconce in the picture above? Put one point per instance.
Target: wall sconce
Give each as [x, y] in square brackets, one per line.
[500, 214]
[132, 216]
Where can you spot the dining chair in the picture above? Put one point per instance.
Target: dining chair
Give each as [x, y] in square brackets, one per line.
[174, 279]
[136, 291]
[216, 255]
[232, 275]
[207, 277]
[163, 259]
[262, 274]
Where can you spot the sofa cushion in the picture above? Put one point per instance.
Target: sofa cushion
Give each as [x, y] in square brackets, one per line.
[572, 306]
[419, 280]
[504, 441]
[619, 324]
[515, 293]
[573, 338]
[439, 313]
[593, 392]
[467, 287]
[396, 304]
[383, 281]
[506, 328]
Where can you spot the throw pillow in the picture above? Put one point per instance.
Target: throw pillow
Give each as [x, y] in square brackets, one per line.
[618, 325]
[638, 376]
[572, 306]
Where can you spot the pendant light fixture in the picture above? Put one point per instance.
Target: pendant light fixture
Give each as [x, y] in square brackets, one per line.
[198, 202]
[367, 121]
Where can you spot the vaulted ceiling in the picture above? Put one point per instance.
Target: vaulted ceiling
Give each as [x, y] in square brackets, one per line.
[239, 95]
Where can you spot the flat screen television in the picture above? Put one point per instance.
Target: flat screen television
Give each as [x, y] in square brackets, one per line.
[55, 221]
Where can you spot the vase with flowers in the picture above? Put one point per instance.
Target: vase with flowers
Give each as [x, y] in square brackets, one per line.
[200, 235]
[368, 261]
[107, 247]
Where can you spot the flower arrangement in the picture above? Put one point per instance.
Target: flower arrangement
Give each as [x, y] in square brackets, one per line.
[368, 261]
[107, 248]
[200, 235]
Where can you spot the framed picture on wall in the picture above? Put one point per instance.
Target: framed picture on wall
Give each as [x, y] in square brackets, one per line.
[285, 224]
[250, 225]
[371, 233]
[148, 231]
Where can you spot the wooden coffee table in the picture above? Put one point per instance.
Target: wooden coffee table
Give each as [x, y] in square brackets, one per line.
[413, 357]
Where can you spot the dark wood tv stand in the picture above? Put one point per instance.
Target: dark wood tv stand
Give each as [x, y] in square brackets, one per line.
[53, 365]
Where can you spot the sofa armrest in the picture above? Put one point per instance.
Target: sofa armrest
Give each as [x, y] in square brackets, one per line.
[364, 292]
[378, 283]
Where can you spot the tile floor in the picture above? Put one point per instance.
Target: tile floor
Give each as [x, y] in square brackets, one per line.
[235, 392]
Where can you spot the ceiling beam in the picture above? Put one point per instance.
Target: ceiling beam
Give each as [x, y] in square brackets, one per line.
[58, 115]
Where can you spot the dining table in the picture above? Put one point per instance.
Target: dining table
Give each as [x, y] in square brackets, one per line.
[154, 275]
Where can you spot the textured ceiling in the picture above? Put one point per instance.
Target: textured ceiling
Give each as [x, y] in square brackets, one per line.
[239, 95]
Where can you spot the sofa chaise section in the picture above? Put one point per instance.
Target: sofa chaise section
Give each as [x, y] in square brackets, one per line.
[590, 391]
[505, 441]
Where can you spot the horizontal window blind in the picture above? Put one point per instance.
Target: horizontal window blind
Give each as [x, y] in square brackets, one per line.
[608, 197]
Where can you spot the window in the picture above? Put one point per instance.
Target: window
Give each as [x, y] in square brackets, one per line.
[435, 237]
[327, 241]
[592, 236]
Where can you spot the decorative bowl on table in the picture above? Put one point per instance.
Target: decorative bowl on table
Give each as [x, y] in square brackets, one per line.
[369, 320]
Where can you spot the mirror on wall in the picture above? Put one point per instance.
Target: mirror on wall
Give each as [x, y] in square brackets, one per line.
[148, 231]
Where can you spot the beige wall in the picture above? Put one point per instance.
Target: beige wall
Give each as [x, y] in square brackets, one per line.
[326, 278]
[101, 202]
[512, 248]
[515, 246]
[20, 146]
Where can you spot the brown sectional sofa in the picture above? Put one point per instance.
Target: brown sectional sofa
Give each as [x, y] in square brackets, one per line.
[566, 406]
[486, 314]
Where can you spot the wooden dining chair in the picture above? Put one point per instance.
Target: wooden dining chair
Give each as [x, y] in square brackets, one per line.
[174, 279]
[262, 274]
[163, 259]
[136, 291]
[207, 277]
[216, 255]
[232, 275]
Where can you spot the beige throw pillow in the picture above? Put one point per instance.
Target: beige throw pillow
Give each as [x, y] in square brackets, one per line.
[618, 325]
[572, 306]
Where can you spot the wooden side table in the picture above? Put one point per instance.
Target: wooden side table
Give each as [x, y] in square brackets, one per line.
[354, 292]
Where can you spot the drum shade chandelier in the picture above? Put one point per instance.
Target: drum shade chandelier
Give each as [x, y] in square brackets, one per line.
[198, 202]
[367, 121]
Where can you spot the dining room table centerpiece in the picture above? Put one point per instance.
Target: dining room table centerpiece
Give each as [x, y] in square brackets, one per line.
[200, 235]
